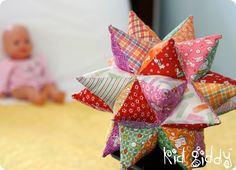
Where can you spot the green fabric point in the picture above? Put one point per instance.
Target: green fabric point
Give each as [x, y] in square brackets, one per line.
[133, 140]
[208, 63]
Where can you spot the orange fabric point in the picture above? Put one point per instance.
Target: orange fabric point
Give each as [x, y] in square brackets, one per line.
[162, 59]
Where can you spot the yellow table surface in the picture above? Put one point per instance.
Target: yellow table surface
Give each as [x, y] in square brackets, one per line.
[72, 137]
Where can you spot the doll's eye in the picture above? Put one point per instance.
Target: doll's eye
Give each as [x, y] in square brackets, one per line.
[27, 41]
[16, 42]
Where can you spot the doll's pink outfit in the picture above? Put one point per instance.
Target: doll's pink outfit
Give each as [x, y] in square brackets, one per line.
[23, 73]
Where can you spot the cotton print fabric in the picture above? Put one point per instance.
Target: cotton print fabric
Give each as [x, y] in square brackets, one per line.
[197, 55]
[138, 29]
[158, 61]
[88, 98]
[183, 32]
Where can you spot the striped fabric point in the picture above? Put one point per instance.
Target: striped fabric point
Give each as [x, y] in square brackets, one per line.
[106, 88]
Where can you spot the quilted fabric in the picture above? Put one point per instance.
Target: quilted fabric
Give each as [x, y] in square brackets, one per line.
[161, 92]
[138, 29]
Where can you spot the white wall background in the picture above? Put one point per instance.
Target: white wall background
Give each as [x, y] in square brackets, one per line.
[72, 34]
[211, 17]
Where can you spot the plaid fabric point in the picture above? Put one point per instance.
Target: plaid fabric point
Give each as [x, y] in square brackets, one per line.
[138, 29]
[186, 32]
[136, 50]
[216, 94]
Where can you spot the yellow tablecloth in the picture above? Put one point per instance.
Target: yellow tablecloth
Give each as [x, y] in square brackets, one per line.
[72, 136]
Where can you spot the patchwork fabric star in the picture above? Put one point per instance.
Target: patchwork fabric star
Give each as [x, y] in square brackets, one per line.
[162, 93]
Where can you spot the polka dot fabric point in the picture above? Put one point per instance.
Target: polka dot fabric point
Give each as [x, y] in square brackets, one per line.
[88, 98]
[162, 59]
[213, 77]
[136, 108]
[135, 144]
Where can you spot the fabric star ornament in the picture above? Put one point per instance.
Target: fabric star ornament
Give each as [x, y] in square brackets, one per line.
[162, 93]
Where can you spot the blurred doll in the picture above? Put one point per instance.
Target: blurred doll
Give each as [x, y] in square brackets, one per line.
[23, 75]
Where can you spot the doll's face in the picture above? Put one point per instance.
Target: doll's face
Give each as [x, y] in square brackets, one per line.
[17, 43]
